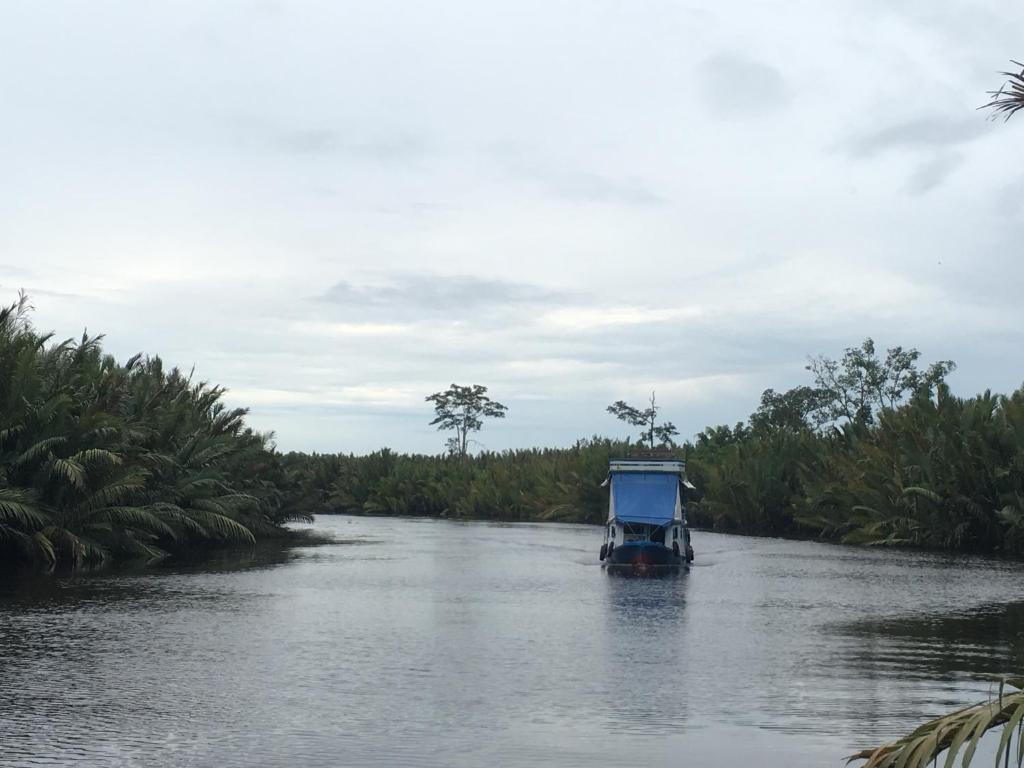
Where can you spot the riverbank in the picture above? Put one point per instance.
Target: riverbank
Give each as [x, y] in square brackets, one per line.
[107, 461]
[937, 473]
[101, 460]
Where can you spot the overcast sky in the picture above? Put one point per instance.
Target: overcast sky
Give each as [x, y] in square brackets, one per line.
[336, 208]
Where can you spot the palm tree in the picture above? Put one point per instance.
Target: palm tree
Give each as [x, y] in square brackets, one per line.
[102, 460]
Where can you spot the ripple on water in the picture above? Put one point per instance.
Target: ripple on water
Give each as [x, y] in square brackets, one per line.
[426, 643]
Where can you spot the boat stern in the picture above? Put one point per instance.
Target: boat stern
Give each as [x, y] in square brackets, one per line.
[642, 558]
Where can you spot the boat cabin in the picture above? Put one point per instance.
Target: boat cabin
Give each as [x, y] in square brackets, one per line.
[646, 513]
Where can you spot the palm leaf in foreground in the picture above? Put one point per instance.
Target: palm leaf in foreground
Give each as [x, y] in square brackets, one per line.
[1009, 99]
[951, 732]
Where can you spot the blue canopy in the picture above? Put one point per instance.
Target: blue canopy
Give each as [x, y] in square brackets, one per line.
[644, 497]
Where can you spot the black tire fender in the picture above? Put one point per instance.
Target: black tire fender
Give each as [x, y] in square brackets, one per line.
[604, 551]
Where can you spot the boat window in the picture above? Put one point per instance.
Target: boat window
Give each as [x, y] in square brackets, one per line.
[641, 532]
[675, 533]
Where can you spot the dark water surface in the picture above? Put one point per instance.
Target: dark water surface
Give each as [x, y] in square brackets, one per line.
[430, 643]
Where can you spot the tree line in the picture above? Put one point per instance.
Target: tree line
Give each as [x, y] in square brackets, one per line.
[101, 460]
[874, 449]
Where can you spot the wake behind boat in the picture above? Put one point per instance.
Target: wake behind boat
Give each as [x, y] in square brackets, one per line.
[646, 531]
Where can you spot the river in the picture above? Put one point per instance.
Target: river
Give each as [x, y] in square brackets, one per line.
[434, 643]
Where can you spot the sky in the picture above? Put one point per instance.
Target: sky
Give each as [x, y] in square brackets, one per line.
[337, 208]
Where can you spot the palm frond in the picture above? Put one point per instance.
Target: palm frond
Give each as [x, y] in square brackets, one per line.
[221, 525]
[1009, 98]
[32, 546]
[70, 470]
[118, 491]
[132, 517]
[39, 449]
[44, 546]
[174, 515]
[98, 456]
[11, 432]
[19, 507]
[961, 729]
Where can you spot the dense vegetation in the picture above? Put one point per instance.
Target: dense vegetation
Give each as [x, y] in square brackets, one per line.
[535, 484]
[987, 477]
[874, 451]
[103, 460]
[939, 471]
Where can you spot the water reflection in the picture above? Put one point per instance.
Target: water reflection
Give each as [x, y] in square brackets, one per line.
[644, 663]
[988, 640]
[441, 644]
[658, 601]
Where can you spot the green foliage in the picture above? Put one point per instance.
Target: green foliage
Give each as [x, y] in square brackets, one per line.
[956, 731]
[920, 468]
[933, 471]
[462, 410]
[860, 383]
[654, 434]
[797, 409]
[535, 484]
[101, 460]
[751, 485]
[942, 472]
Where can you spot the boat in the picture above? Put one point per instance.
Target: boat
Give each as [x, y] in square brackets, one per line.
[646, 532]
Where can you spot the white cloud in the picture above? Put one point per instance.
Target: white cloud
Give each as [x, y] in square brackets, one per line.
[337, 209]
[588, 318]
[362, 396]
[316, 328]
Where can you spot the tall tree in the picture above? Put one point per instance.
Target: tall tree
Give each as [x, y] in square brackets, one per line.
[790, 411]
[860, 383]
[462, 410]
[646, 418]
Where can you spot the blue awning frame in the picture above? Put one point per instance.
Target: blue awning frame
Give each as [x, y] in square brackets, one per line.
[650, 498]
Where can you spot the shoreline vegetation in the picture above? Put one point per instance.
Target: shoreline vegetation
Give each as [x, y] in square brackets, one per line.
[874, 451]
[103, 461]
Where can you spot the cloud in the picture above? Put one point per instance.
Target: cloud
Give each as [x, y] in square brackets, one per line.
[571, 207]
[736, 86]
[14, 270]
[320, 142]
[350, 329]
[549, 367]
[1009, 201]
[368, 395]
[585, 187]
[440, 295]
[935, 137]
[587, 318]
[921, 133]
[571, 184]
[35, 291]
[933, 172]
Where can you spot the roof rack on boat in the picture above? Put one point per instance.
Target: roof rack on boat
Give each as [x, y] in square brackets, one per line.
[674, 466]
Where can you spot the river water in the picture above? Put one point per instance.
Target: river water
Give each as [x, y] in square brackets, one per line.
[433, 643]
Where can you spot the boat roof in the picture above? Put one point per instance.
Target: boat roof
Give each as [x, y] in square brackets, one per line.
[645, 497]
[673, 466]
